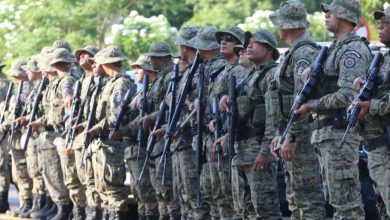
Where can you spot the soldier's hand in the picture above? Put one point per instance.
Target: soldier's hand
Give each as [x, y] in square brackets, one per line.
[211, 126]
[22, 120]
[94, 132]
[159, 133]
[273, 145]
[288, 150]
[305, 108]
[139, 103]
[223, 142]
[79, 128]
[69, 151]
[223, 103]
[68, 102]
[168, 99]
[261, 162]
[364, 107]
[34, 125]
[146, 122]
[357, 84]
[117, 135]
[305, 74]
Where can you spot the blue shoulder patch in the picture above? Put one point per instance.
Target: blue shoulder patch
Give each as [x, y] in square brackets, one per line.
[349, 62]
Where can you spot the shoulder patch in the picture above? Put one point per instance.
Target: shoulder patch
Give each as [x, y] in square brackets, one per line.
[302, 65]
[118, 96]
[67, 90]
[351, 53]
[349, 62]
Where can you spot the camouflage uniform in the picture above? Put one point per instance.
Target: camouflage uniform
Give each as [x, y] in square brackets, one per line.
[220, 204]
[108, 155]
[376, 132]
[348, 58]
[303, 182]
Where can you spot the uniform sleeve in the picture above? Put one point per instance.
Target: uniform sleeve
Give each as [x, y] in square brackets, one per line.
[353, 63]
[380, 106]
[67, 86]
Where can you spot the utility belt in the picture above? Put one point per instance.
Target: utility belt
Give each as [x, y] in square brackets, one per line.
[374, 143]
[337, 119]
[244, 133]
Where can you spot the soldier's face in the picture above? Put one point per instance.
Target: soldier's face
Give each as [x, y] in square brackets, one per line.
[384, 30]
[331, 22]
[139, 74]
[155, 62]
[85, 60]
[97, 69]
[256, 51]
[227, 44]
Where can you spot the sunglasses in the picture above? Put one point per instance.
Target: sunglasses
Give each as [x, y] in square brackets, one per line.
[228, 38]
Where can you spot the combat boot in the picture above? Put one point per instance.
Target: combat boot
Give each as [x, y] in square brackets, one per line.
[51, 213]
[151, 217]
[78, 212]
[38, 203]
[63, 212]
[4, 205]
[164, 217]
[24, 207]
[43, 211]
[105, 214]
[117, 216]
[93, 213]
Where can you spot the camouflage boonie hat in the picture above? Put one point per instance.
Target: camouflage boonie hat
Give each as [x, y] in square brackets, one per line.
[290, 15]
[237, 49]
[187, 36]
[344, 9]
[62, 44]
[265, 37]
[237, 33]
[378, 14]
[32, 63]
[92, 50]
[141, 60]
[159, 49]
[62, 55]
[110, 54]
[146, 66]
[205, 39]
[18, 69]
[45, 58]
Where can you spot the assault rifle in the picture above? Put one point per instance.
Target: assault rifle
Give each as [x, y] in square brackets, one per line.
[199, 129]
[5, 107]
[73, 110]
[218, 131]
[364, 94]
[232, 119]
[144, 109]
[17, 111]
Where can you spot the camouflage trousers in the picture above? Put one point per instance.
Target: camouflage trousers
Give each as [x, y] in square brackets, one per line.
[34, 167]
[379, 167]
[5, 174]
[51, 168]
[178, 187]
[142, 190]
[306, 201]
[221, 187]
[110, 174]
[341, 177]
[19, 169]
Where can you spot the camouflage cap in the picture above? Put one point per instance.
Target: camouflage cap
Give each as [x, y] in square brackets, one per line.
[146, 66]
[205, 38]
[265, 37]
[141, 60]
[45, 58]
[110, 54]
[32, 63]
[290, 15]
[62, 55]
[159, 49]
[92, 50]
[62, 44]
[187, 36]
[344, 9]
[378, 14]
[238, 48]
[18, 69]
[235, 31]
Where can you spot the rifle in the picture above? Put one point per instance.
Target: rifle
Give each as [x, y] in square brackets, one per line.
[232, 118]
[218, 131]
[37, 101]
[72, 134]
[160, 118]
[364, 94]
[73, 110]
[175, 117]
[6, 105]
[141, 133]
[17, 111]
[91, 118]
[199, 128]
[121, 113]
[302, 96]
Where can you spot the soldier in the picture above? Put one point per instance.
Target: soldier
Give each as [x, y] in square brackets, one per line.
[56, 100]
[19, 166]
[375, 116]
[108, 155]
[243, 59]
[303, 179]
[4, 157]
[252, 160]
[348, 58]
[142, 190]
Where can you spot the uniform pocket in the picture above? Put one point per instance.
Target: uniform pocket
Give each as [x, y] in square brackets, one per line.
[243, 106]
[259, 114]
[114, 167]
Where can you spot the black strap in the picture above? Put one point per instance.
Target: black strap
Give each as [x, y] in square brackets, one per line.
[374, 143]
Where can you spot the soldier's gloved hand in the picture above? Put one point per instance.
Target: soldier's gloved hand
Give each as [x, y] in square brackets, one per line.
[34, 125]
[223, 141]
[273, 145]
[357, 84]
[261, 162]
[146, 122]
[94, 132]
[305, 108]
[305, 74]
[159, 133]
[288, 150]
[211, 126]
[364, 107]
[223, 103]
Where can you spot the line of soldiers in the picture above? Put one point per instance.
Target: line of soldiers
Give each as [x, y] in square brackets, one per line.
[203, 138]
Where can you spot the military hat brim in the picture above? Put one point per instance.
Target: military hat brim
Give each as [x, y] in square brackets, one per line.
[18, 73]
[248, 35]
[155, 54]
[379, 14]
[188, 43]
[325, 7]
[219, 35]
[237, 49]
[110, 60]
[64, 60]
[80, 51]
[201, 46]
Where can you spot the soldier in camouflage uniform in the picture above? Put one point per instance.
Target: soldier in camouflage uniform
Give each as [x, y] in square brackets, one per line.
[108, 155]
[160, 59]
[19, 165]
[56, 101]
[348, 58]
[252, 161]
[376, 123]
[303, 180]
[4, 157]
[142, 190]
